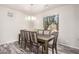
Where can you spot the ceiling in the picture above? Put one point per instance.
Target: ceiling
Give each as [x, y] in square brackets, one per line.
[32, 9]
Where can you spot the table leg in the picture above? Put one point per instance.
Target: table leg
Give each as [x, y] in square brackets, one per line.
[46, 47]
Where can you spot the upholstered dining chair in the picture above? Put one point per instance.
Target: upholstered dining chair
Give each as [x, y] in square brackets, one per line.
[34, 41]
[53, 44]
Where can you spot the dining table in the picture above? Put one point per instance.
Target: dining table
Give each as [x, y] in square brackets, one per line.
[45, 39]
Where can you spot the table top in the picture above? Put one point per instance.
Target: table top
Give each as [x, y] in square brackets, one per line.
[45, 37]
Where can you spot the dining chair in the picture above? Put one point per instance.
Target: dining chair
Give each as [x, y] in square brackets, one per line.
[33, 36]
[22, 38]
[53, 44]
[34, 41]
[47, 32]
[28, 40]
[27, 36]
[40, 32]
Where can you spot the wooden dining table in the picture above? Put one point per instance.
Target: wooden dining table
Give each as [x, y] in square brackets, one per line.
[45, 40]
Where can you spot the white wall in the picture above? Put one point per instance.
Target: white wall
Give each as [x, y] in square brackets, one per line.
[67, 24]
[77, 24]
[10, 26]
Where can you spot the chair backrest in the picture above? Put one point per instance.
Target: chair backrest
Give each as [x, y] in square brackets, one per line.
[28, 35]
[33, 36]
[40, 32]
[22, 34]
[47, 32]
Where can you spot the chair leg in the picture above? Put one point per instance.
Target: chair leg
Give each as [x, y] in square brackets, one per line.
[37, 50]
[56, 49]
[30, 47]
[21, 44]
[25, 44]
[19, 39]
[52, 50]
[42, 49]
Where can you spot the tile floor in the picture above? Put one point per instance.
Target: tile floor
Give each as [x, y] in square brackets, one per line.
[14, 48]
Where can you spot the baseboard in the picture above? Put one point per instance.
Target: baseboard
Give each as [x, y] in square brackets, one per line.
[8, 42]
[74, 48]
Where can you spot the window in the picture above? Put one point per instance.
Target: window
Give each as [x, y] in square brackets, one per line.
[30, 18]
